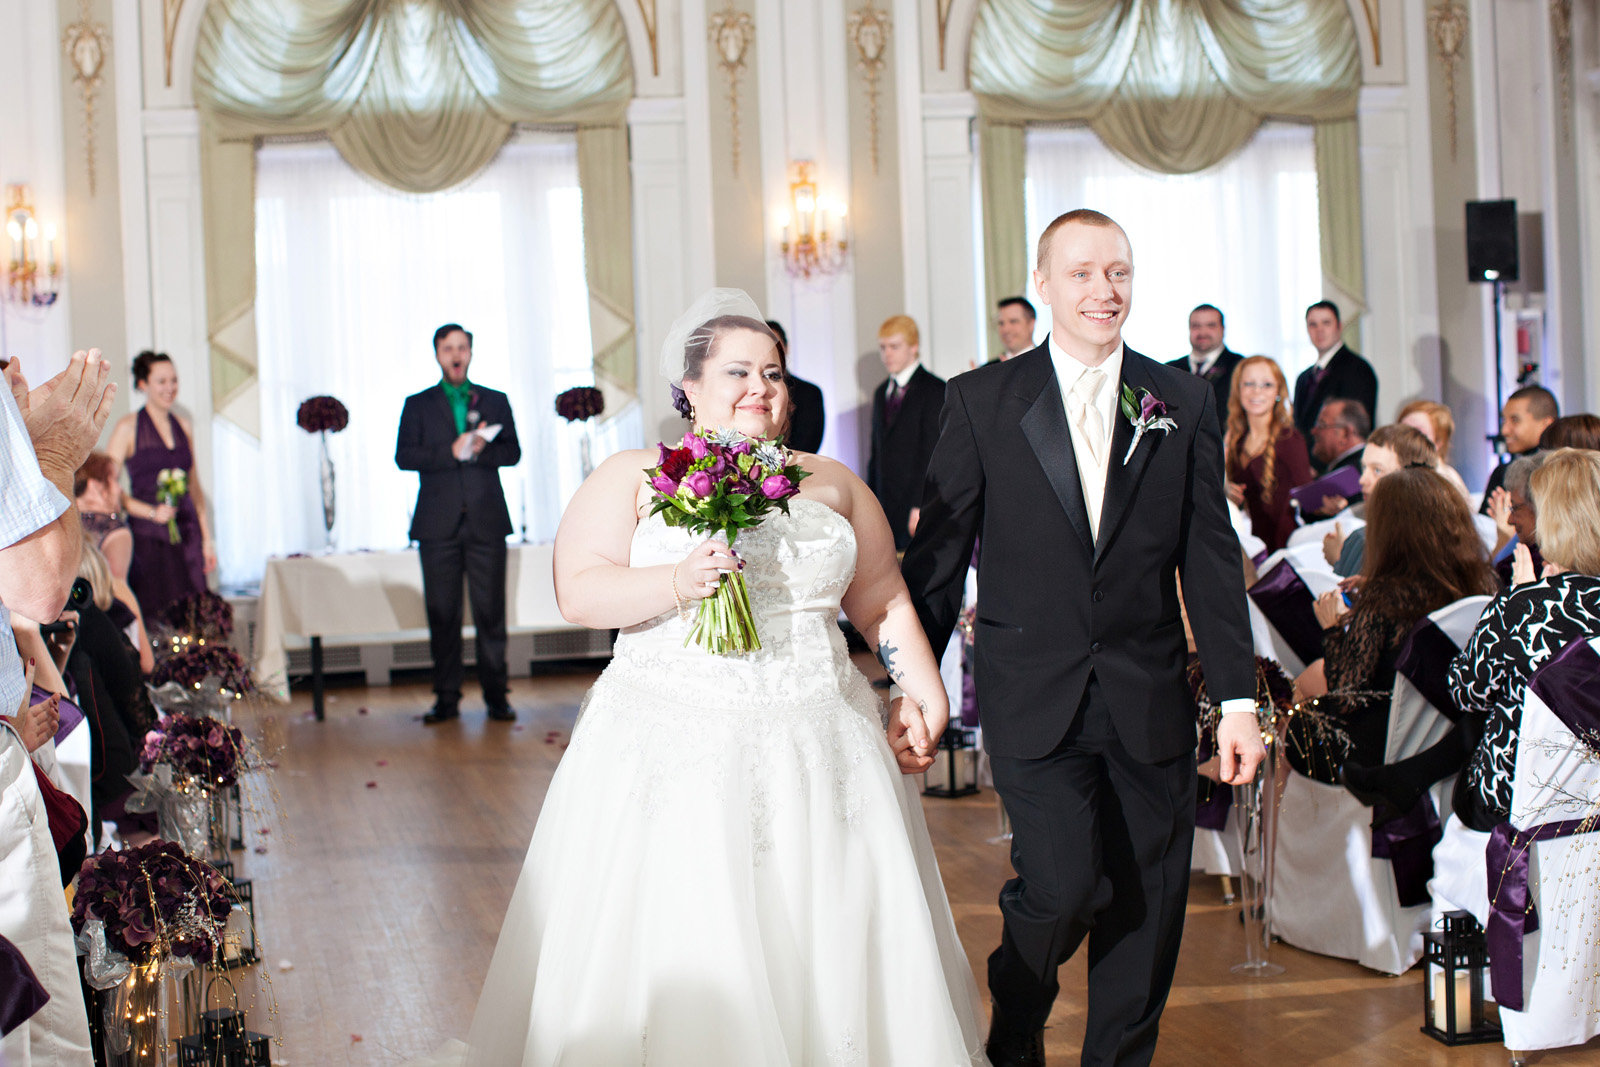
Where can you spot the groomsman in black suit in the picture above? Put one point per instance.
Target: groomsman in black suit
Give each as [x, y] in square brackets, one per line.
[1087, 525]
[1014, 321]
[1338, 372]
[461, 523]
[1208, 356]
[807, 419]
[905, 424]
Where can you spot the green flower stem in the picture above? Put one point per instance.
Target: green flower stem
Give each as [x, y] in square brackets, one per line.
[725, 623]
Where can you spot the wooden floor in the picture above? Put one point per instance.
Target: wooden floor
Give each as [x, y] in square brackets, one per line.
[392, 848]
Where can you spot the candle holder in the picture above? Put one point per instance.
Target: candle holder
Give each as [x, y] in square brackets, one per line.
[28, 282]
[1455, 961]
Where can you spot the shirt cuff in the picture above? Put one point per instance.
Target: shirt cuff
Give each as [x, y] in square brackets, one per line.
[1238, 705]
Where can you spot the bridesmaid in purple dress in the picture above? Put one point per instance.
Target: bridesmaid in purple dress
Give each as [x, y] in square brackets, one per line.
[146, 443]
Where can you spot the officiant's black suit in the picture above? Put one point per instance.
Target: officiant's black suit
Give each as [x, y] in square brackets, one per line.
[1347, 376]
[901, 446]
[1080, 669]
[460, 526]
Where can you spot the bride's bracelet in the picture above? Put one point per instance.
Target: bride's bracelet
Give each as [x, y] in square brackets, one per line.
[677, 597]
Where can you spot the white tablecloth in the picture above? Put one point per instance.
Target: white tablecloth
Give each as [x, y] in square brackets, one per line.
[376, 594]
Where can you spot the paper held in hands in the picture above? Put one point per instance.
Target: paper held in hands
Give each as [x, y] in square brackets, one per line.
[465, 450]
[1344, 482]
[488, 433]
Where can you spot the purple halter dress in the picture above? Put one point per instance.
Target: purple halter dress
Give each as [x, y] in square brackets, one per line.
[162, 572]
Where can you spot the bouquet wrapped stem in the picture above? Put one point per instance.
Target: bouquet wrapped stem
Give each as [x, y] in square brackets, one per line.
[172, 485]
[725, 624]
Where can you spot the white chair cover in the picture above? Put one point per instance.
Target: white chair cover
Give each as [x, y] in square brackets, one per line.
[1557, 778]
[1312, 532]
[1267, 640]
[1459, 882]
[1330, 895]
[1485, 527]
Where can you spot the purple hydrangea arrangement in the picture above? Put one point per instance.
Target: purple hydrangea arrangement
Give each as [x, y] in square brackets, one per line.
[200, 616]
[154, 900]
[198, 662]
[205, 749]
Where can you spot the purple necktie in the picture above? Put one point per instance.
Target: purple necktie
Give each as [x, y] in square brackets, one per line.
[891, 404]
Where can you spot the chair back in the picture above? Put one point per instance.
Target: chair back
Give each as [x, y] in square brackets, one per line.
[1421, 711]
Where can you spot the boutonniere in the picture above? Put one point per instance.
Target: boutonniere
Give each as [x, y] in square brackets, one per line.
[1147, 412]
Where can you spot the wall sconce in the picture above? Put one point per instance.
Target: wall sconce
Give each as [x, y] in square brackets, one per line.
[26, 280]
[810, 247]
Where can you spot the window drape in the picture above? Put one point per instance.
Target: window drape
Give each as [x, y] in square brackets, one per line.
[420, 95]
[1175, 87]
[354, 278]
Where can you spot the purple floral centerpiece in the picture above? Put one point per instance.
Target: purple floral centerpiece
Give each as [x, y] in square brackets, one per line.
[580, 403]
[204, 616]
[153, 900]
[196, 663]
[322, 414]
[208, 751]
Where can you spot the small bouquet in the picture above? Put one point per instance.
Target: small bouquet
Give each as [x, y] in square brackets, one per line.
[198, 662]
[580, 403]
[208, 751]
[322, 414]
[151, 901]
[720, 482]
[172, 485]
[201, 617]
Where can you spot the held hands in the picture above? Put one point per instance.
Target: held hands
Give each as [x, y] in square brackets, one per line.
[698, 574]
[1330, 608]
[1239, 749]
[914, 732]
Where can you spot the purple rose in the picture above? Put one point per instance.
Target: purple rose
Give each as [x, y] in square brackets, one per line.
[740, 448]
[1150, 407]
[698, 484]
[664, 485]
[777, 487]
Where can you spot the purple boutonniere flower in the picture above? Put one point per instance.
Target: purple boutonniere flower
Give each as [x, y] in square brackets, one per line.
[1147, 412]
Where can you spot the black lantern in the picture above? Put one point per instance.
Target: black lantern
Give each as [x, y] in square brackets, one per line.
[224, 1040]
[1455, 970]
[955, 765]
[239, 947]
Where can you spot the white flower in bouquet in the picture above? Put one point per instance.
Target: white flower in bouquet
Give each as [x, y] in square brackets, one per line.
[172, 485]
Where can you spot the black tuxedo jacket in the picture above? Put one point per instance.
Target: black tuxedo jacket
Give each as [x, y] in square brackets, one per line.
[900, 451]
[1349, 377]
[1055, 604]
[808, 419]
[453, 492]
[1220, 375]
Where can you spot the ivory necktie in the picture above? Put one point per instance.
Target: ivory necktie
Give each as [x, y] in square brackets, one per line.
[1089, 422]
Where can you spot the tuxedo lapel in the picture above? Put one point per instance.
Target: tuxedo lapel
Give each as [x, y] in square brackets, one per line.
[442, 402]
[1123, 478]
[1044, 425]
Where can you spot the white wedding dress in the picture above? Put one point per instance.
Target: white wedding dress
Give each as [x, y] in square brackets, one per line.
[729, 868]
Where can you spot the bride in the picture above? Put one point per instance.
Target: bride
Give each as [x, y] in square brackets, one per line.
[729, 868]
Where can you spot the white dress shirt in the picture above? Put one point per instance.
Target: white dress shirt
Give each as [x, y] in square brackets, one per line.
[903, 378]
[1324, 357]
[1092, 472]
[1201, 362]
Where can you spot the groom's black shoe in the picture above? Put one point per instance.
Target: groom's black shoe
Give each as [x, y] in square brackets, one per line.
[502, 713]
[441, 713]
[1008, 1048]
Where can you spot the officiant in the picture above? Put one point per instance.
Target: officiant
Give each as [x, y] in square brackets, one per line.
[456, 436]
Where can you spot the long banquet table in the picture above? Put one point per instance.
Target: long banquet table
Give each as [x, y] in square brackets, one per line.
[375, 595]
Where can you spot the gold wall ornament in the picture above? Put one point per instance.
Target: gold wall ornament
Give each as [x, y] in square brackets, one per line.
[941, 11]
[869, 32]
[732, 32]
[1561, 40]
[170, 9]
[647, 12]
[1447, 23]
[87, 45]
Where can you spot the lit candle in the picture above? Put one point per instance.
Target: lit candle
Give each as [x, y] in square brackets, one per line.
[30, 242]
[783, 224]
[842, 212]
[14, 231]
[805, 205]
[1463, 1002]
[50, 248]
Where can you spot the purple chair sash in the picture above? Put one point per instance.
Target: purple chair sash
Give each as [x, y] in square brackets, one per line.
[1424, 661]
[1407, 843]
[1283, 598]
[1512, 915]
[21, 995]
[71, 714]
[1569, 683]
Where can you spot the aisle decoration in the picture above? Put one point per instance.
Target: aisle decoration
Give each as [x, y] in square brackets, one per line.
[578, 405]
[717, 483]
[172, 485]
[188, 769]
[141, 916]
[323, 415]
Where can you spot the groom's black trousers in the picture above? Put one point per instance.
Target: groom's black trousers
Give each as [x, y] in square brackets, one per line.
[1101, 846]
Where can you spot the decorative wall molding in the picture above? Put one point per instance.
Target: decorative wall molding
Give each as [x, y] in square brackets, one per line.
[87, 44]
[1561, 44]
[869, 32]
[647, 12]
[171, 11]
[1375, 29]
[1448, 24]
[732, 32]
[942, 9]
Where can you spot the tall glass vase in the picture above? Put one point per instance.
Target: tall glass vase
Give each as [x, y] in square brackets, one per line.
[1255, 816]
[327, 492]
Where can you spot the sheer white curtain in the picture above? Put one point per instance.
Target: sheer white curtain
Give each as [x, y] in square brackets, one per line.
[1242, 235]
[352, 280]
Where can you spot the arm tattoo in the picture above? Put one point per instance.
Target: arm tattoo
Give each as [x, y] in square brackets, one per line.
[886, 654]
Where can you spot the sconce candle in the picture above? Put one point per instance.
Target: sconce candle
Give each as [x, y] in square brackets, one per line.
[50, 249]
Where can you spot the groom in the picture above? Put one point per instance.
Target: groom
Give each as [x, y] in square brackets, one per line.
[1086, 528]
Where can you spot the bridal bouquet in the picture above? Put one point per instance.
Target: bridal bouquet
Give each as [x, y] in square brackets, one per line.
[718, 482]
[172, 485]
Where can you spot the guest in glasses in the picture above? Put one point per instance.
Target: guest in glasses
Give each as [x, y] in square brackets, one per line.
[1265, 456]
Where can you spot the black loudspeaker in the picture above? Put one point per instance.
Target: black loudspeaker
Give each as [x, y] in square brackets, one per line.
[1491, 240]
